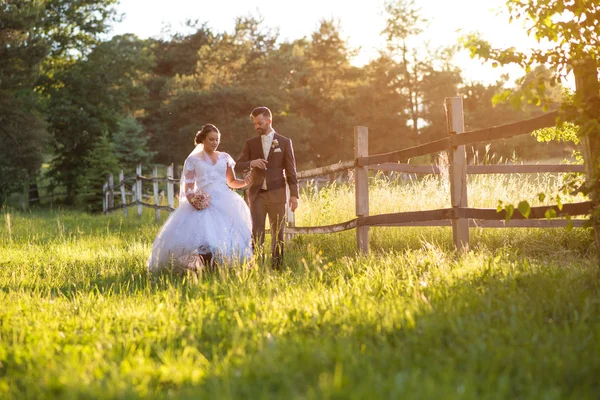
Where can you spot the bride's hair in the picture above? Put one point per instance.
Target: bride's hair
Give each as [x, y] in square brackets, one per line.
[203, 133]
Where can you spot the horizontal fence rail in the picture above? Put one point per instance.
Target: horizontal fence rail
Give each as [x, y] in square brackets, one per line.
[330, 169]
[482, 169]
[466, 138]
[573, 209]
[434, 169]
[32, 193]
[441, 217]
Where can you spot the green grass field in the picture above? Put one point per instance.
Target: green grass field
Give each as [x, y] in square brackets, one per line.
[517, 317]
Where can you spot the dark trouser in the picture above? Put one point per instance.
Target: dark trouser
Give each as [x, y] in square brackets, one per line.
[259, 209]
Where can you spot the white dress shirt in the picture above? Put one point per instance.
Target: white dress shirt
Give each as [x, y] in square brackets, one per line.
[267, 140]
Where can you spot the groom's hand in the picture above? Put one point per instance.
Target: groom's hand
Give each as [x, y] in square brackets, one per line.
[293, 203]
[259, 163]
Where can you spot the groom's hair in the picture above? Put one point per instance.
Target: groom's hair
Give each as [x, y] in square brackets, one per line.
[264, 111]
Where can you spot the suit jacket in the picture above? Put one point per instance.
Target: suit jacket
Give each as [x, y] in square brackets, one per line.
[281, 167]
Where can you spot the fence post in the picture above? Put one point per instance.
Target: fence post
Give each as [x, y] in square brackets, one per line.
[138, 188]
[122, 187]
[111, 192]
[133, 192]
[457, 160]
[105, 197]
[178, 171]
[170, 192]
[361, 187]
[155, 190]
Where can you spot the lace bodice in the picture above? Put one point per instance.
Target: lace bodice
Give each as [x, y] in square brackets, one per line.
[206, 175]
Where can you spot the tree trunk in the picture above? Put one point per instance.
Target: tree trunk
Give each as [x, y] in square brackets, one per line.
[34, 193]
[588, 101]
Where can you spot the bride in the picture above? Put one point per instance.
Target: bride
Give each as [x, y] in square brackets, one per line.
[220, 232]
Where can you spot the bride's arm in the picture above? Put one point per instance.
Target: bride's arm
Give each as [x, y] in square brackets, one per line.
[189, 189]
[235, 183]
[189, 178]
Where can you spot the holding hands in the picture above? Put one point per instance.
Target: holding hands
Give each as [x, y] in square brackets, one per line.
[248, 180]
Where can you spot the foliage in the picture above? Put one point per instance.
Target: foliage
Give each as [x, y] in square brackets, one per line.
[86, 89]
[112, 73]
[73, 26]
[101, 161]
[37, 38]
[23, 132]
[23, 136]
[424, 78]
[379, 106]
[570, 31]
[130, 144]
[487, 106]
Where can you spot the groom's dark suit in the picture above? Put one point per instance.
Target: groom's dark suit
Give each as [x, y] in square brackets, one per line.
[281, 167]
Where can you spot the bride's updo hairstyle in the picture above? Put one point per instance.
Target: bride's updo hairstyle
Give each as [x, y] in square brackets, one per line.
[203, 133]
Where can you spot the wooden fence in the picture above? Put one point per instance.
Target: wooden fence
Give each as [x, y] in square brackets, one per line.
[459, 215]
[112, 191]
[31, 195]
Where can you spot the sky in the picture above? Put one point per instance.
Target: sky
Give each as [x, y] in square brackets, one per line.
[361, 25]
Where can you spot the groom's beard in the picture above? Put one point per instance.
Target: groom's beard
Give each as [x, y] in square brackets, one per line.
[262, 131]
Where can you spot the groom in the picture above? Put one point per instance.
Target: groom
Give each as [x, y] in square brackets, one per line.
[271, 158]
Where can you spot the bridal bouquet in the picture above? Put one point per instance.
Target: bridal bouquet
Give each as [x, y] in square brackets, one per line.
[199, 199]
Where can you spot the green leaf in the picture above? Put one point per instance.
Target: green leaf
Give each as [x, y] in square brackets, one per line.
[569, 226]
[524, 208]
[515, 101]
[548, 22]
[510, 210]
[550, 213]
[499, 207]
[559, 203]
[541, 197]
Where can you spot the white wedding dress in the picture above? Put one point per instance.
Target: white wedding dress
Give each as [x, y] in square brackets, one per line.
[223, 228]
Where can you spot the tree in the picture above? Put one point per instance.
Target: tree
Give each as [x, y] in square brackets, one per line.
[423, 77]
[571, 30]
[23, 133]
[89, 99]
[37, 38]
[437, 83]
[379, 106]
[234, 73]
[130, 144]
[485, 106]
[98, 164]
[324, 94]
[403, 25]
[23, 137]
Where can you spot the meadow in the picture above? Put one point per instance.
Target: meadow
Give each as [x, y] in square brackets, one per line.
[516, 317]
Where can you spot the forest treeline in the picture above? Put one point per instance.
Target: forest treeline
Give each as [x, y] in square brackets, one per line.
[83, 104]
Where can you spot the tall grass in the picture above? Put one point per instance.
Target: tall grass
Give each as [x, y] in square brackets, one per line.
[335, 204]
[517, 317]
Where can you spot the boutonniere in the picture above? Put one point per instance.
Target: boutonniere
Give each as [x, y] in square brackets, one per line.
[274, 143]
